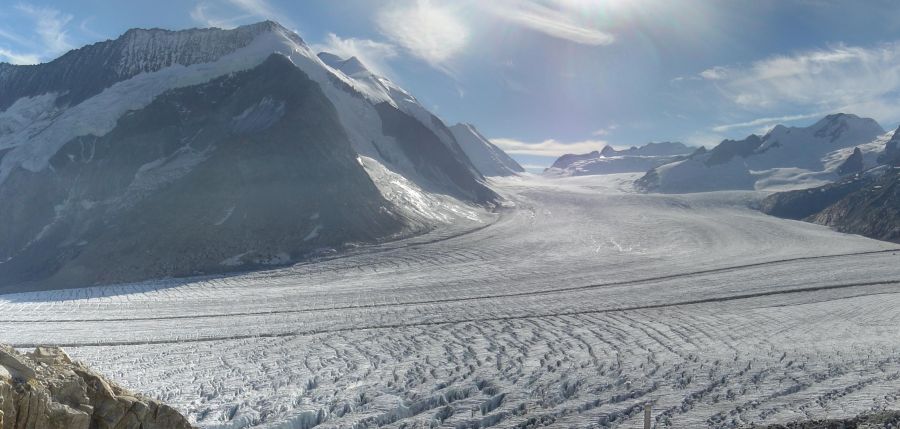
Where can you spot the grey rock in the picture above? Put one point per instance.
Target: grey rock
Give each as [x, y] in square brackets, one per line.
[67, 395]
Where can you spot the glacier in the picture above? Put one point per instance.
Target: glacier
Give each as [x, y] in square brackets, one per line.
[572, 306]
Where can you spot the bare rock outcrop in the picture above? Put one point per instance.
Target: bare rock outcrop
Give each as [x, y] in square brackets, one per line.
[45, 389]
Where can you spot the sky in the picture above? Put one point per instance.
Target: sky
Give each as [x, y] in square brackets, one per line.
[541, 78]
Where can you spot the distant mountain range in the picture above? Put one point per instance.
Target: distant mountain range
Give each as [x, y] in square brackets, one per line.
[865, 203]
[784, 158]
[172, 153]
[611, 161]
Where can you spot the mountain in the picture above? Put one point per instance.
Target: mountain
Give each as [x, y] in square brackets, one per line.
[487, 158]
[865, 203]
[172, 153]
[610, 161]
[785, 158]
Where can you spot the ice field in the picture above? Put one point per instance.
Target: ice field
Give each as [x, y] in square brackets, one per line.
[571, 309]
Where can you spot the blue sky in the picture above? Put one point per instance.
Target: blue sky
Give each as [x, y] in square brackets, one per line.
[546, 77]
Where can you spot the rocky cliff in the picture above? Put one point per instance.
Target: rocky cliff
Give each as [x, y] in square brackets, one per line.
[45, 389]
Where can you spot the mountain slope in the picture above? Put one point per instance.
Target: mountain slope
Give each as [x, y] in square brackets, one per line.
[611, 161]
[865, 203]
[786, 157]
[230, 150]
[487, 158]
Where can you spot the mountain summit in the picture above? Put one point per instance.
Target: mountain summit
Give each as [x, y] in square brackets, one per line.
[172, 153]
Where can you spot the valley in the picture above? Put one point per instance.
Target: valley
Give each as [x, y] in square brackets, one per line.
[572, 305]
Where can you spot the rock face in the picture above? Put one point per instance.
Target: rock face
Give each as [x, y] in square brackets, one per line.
[866, 203]
[235, 161]
[891, 153]
[180, 153]
[611, 161]
[45, 389]
[853, 164]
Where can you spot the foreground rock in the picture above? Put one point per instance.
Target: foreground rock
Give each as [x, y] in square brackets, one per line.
[44, 389]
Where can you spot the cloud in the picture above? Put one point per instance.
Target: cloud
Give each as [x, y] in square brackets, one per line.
[605, 131]
[548, 148]
[374, 55]
[765, 122]
[50, 27]
[715, 73]
[18, 58]
[212, 15]
[559, 23]
[535, 168]
[429, 31]
[50, 37]
[839, 78]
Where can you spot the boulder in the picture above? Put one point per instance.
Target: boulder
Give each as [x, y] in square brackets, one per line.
[46, 389]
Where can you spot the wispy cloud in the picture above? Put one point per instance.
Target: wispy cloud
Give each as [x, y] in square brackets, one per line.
[428, 30]
[765, 122]
[715, 73]
[605, 131]
[18, 58]
[548, 148]
[535, 168]
[49, 38]
[50, 26]
[862, 80]
[375, 55]
[559, 22]
[240, 11]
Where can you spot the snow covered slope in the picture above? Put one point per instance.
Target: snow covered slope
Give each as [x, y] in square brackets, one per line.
[612, 161]
[487, 158]
[232, 133]
[786, 157]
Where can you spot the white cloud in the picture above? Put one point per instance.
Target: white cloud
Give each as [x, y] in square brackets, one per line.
[548, 148]
[535, 168]
[605, 131]
[18, 58]
[212, 15]
[374, 55]
[429, 31]
[765, 122]
[50, 26]
[860, 80]
[50, 37]
[715, 73]
[561, 23]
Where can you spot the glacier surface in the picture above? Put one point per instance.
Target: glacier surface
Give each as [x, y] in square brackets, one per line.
[571, 307]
